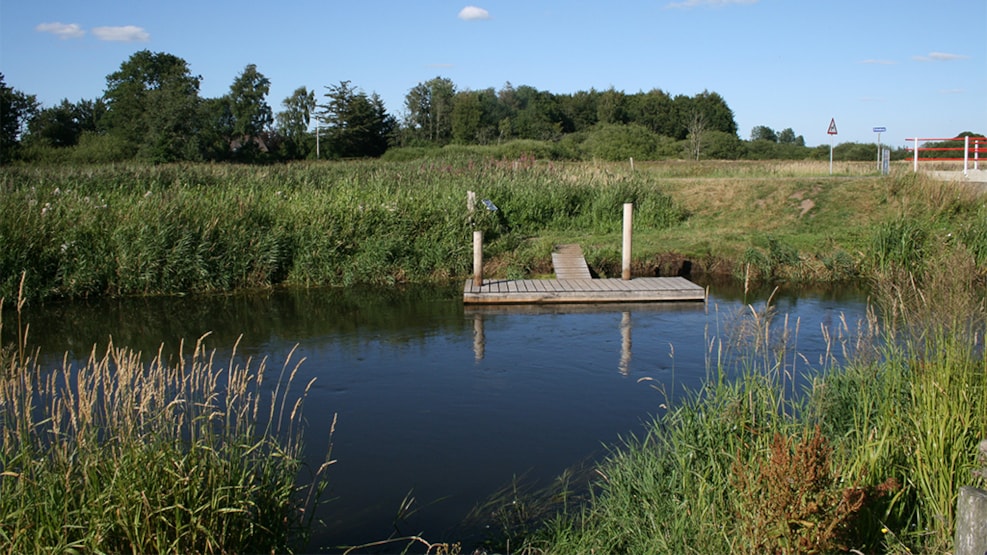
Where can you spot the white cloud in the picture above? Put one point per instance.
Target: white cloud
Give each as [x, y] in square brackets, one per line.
[62, 30]
[473, 13]
[126, 33]
[939, 57]
[713, 3]
[952, 91]
[878, 62]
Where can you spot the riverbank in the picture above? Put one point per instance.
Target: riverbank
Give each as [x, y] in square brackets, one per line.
[165, 230]
[874, 451]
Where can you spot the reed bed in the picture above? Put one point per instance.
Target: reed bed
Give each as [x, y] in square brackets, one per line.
[122, 455]
[178, 229]
[863, 450]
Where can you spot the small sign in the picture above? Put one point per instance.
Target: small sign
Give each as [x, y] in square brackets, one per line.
[832, 127]
[880, 129]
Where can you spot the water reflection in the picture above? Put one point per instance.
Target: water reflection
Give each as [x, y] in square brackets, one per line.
[479, 312]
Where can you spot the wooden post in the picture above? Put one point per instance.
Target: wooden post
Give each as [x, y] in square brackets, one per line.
[628, 221]
[478, 258]
[971, 522]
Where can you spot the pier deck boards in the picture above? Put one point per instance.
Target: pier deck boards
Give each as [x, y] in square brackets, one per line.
[569, 262]
[536, 291]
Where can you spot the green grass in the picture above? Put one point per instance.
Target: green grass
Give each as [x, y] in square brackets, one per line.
[137, 230]
[870, 455]
[128, 455]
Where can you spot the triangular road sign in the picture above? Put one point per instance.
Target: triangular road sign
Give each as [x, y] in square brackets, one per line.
[832, 127]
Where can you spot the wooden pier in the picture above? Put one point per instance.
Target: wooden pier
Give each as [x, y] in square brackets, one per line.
[574, 283]
[535, 291]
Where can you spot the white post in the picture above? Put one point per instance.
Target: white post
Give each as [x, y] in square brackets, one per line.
[830, 154]
[915, 169]
[966, 153]
[628, 224]
[878, 152]
[478, 258]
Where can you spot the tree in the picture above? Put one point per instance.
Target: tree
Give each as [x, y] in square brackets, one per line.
[356, 125]
[788, 137]
[764, 133]
[429, 106]
[294, 120]
[610, 107]
[698, 126]
[654, 110]
[63, 125]
[153, 104]
[16, 109]
[467, 112]
[719, 116]
[248, 107]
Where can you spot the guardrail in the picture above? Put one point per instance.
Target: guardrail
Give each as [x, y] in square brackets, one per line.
[974, 145]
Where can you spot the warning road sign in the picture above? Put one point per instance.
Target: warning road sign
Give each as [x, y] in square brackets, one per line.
[832, 127]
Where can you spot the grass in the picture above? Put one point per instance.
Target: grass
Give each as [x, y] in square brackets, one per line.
[867, 455]
[138, 230]
[123, 455]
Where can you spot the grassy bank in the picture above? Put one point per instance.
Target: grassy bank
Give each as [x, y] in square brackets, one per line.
[125, 455]
[134, 230]
[868, 455]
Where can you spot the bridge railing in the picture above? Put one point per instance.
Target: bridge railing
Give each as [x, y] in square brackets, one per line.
[966, 145]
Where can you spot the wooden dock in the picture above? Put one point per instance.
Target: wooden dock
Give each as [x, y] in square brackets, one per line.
[534, 291]
[569, 262]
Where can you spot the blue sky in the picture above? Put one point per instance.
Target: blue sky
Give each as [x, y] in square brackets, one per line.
[914, 67]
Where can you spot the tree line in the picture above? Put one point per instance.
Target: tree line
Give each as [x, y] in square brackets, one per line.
[151, 110]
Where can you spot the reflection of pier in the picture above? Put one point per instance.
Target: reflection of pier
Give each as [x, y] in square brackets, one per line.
[478, 312]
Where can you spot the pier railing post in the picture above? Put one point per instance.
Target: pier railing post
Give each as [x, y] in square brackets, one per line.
[628, 220]
[478, 258]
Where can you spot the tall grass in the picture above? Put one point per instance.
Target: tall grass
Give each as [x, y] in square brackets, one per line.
[123, 455]
[122, 230]
[867, 454]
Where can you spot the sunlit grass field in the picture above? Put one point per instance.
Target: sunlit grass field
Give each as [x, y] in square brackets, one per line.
[139, 230]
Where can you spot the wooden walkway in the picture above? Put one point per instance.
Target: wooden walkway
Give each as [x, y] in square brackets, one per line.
[533, 291]
[569, 262]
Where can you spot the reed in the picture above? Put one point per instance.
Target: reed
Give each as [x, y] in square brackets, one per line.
[119, 455]
[123, 230]
[863, 450]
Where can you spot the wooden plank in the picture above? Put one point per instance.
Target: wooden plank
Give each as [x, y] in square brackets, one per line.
[584, 291]
[569, 262]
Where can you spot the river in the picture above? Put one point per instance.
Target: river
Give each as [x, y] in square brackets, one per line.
[441, 406]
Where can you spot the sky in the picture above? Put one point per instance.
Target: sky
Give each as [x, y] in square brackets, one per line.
[914, 67]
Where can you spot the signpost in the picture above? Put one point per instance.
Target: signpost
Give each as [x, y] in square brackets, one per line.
[831, 131]
[879, 130]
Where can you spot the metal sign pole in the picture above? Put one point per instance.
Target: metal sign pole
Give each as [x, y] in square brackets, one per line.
[879, 130]
[831, 131]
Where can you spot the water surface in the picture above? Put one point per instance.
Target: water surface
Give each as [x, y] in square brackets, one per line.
[438, 405]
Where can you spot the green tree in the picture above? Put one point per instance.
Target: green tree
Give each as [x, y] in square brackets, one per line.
[294, 120]
[429, 110]
[718, 115]
[787, 137]
[153, 104]
[611, 107]
[16, 109]
[356, 125]
[467, 113]
[763, 133]
[57, 126]
[655, 111]
[248, 106]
